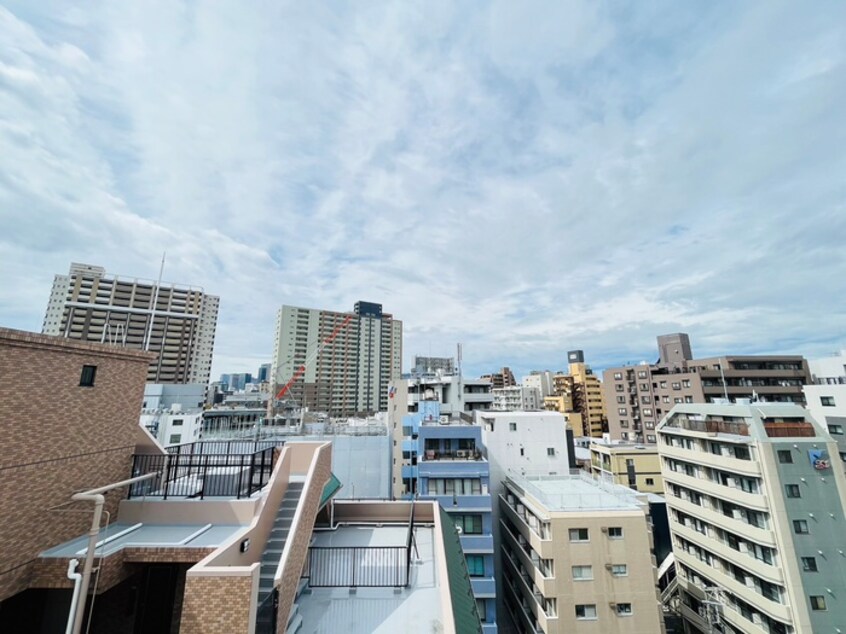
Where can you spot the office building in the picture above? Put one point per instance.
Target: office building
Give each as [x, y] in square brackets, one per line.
[503, 378]
[347, 359]
[542, 381]
[629, 464]
[579, 392]
[638, 396]
[516, 398]
[263, 373]
[433, 366]
[239, 382]
[577, 557]
[446, 462]
[176, 322]
[756, 515]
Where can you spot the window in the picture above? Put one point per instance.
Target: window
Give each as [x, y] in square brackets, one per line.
[585, 612]
[177, 422]
[512, 426]
[476, 565]
[641, 375]
[618, 375]
[664, 384]
[785, 457]
[579, 535]
[650, 481]
[742, 453]
[621, 399]
[87, 377]
[175, 439]
[817, 602]
[624, 609]
[469, 524]
[677, 400]
[650, 437]
[621, 411]
[676, 386]
[615, 532]
[809, 564]
[647, 411]
[688, 399]
[620, 570]
[837, 430]
[792, 490]
[619, 387]
[481, 608]
[644, 386]
[827, 401]
[800, 527]
[550, 451]
[582, 573]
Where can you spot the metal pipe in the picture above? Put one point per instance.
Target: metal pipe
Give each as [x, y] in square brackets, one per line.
[77, 579]
[96, 496]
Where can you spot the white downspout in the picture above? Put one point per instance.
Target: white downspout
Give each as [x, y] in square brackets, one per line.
[77, 579]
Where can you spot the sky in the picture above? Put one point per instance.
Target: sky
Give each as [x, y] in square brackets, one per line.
[525, 178]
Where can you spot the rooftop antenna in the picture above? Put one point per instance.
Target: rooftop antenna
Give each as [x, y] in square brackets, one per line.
[149, 333]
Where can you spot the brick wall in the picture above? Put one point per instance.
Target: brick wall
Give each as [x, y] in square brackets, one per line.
[60, 438]
[216, 605]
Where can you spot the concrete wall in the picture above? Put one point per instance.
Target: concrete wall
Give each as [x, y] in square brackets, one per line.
[220, 602]
[60, 438]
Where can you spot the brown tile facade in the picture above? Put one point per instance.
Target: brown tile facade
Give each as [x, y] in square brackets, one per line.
[59, 438]
[216, 605]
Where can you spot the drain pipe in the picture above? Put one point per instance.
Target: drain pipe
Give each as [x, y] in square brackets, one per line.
[77, 579]
[96, 496]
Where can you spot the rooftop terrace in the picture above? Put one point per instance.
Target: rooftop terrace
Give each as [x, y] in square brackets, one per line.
[578, 492]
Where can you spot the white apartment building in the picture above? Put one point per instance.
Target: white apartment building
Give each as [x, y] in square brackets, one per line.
[756, 512]
[346, 376]
[829, 370]
[173, 426]
[516, 398]
[542, 381]
[577, 557]
[176, 321]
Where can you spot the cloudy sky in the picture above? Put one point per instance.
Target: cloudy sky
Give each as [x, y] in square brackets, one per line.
[523, 177]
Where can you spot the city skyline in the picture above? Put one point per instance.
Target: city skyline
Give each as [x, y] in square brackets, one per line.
[524, 186]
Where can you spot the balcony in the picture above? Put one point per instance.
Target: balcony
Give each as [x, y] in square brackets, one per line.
[483, 587]
[458, 454]
[709, 426]
[481, 544]
[790, 430]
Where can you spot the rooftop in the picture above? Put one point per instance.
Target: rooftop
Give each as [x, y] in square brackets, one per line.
[415, 609]
[578, 492]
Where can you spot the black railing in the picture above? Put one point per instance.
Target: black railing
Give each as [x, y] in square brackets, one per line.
[358, 567]
[201, 474]
[266, 613]
[221, 447]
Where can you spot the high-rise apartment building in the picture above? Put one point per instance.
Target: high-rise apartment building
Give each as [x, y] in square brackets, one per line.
[577, 557]
[516, 398]
[582, 393]
[542, 381]
[503, 378]
[344, 376]
[175, 321]
[638, 396]
[756, 515]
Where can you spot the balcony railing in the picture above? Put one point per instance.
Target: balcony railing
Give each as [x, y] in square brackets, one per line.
[201, 474]
[710, 426]
[790, 430]
[460, 454]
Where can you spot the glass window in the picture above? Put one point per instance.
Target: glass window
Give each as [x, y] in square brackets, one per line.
[476, 565]
[615, 532]
[792, 490]
[641, 375]
[177, 422]
[175, 439]
[809, 564]
[837, 430]
[481, 608]
[469, 524]
[620, 570]
[785, 457]
[512, 426]
[827, 401]
[624, 609]
[817, 602]
[87, 377]
[586, 611]
[618, 375]
[621, 411]
[579, 535]
[800, 527]
[582, 573]
[550, 451]
[650, 481]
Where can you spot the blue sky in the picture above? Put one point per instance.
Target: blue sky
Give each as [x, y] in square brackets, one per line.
[523, 177]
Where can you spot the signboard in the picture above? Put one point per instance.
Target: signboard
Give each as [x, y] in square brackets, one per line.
[819, 459]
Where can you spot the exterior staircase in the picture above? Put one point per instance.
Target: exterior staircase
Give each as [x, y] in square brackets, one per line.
[278, 536]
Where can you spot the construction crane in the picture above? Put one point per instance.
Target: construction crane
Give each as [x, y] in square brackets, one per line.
[308, 360]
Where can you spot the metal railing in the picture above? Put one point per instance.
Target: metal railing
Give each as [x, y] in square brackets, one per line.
[201, 474]
[358, 566]
[221, 447]
[710, 426]
[790, 430]
[266, 613]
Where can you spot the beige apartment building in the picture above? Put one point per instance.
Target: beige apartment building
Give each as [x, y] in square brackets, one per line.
[639, 396]
[176, 322]
[578, 394]
[635, 466]
[577, 557]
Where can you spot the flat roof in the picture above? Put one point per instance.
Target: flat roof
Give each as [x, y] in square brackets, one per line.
[416, 609]
[577, 493]
[361, 463]
[114, 537]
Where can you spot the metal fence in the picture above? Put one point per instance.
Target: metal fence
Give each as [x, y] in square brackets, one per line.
[228, 446]
[358, 566]
[200, 475]
[266, 613]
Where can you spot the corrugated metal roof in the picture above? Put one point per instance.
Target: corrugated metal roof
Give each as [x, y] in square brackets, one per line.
[464, 612]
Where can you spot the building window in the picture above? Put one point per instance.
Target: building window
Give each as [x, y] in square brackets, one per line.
[621, 399]
[615, 532]
[621, 411]
[468, 524]
[809, 564]
[512, 426]
[618, 375]
[800, 527]
[586, 612]
[579, 535]
[619, 387]
[677, 400]
[481, 608]
[87, 377]
[624, 609]
[177, 422]
[476, 565]
[836, 430]
[785, 457]
[550, 451]
[792, 490]
[676, 386]
[650, 438]
[175, 439]
[817, 602]
[685, 382]
[827, 401]
[650, 481]
[582, 573]
[688, 399]
[620, 570]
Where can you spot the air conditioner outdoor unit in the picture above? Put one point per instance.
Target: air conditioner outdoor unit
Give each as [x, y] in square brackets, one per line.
[604, 529]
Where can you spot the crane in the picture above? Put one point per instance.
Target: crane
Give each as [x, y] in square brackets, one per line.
[308, 360]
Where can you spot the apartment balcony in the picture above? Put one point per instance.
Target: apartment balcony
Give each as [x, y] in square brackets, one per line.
[450, 502]
[737, 526]
[477, 544]
[544, 548]
[757, 501]
[790, 430]
[483, 587]
[709, 426]
[745, 467]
